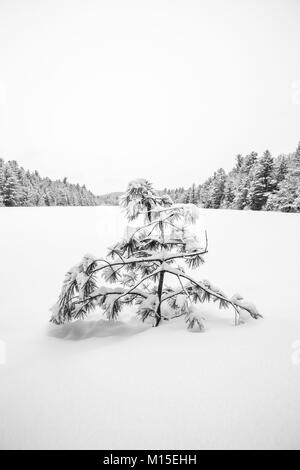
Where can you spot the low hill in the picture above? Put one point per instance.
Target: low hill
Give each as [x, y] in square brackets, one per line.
[109, 199]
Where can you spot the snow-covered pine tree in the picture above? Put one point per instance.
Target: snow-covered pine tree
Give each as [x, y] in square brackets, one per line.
[11, 188]
[229, 194]
[287, 197]
[205, 200]
[2, 170]
[263, 182]
[142, 266]
[187, 196]
[217, 189]
[297, 154]
[244, 174]
[281, 170]
[193, 195]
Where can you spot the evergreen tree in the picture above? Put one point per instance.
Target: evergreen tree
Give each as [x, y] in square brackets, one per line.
[281, 170]
[205, 199]
[217, 189]
[263, 182]
[198, 194]
[11, 188]
[244, 175]
[139, 264]
[286, 198]
[2, 178]
[193, 195]
[238, 163]
[297, 155]
[229, 193]
[187, 196]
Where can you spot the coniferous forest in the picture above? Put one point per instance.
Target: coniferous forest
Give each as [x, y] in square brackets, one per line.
[24, 188]
[254, 183]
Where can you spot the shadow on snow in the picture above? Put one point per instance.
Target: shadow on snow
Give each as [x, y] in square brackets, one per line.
[83, 329]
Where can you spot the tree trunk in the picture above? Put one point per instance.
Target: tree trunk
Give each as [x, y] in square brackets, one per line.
[159, 293]
[149, 213]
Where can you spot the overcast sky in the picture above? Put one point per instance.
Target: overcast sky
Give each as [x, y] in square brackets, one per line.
[103, 91]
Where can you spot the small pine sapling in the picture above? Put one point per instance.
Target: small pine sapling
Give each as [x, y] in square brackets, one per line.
[162, 248]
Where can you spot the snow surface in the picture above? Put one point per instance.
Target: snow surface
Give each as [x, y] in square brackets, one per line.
[92, 384]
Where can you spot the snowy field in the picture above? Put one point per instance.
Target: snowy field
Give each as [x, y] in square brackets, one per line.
[92, 384]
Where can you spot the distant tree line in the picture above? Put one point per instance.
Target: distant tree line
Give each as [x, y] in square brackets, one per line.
[24, 188]
[255, 183]
[110, 199]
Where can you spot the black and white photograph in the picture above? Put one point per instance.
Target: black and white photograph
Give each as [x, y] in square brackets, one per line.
[149, 227]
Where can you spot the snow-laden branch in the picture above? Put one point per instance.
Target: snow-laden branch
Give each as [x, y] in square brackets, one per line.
[104, 291]
[160, 258]
[129, 291]
[155, 223]
[235, 303]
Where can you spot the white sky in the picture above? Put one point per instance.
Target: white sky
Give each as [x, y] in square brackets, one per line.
[103, 91]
